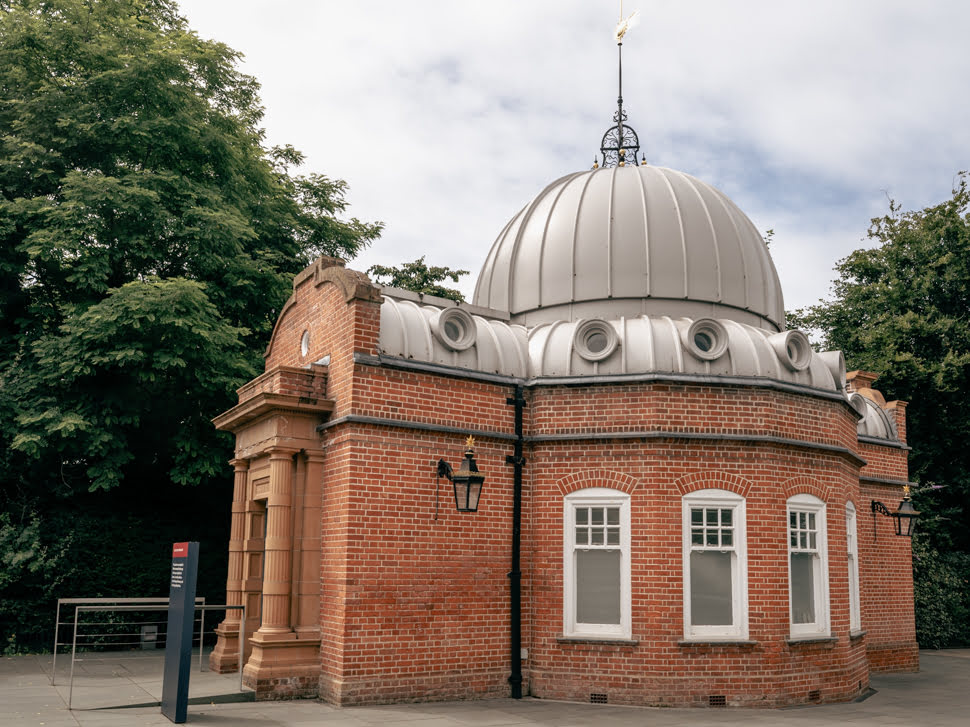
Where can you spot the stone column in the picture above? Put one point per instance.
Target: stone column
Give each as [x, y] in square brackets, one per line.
[278, 564]
[225, 656]
[236, 534]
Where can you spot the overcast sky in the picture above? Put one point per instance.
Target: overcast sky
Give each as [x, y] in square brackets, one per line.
[446, 117]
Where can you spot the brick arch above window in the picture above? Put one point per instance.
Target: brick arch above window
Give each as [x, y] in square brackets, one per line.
[597, 478]
[713, 480]
[805, 486]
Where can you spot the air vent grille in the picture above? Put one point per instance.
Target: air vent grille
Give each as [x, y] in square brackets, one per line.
[717, 700]
[597, 698]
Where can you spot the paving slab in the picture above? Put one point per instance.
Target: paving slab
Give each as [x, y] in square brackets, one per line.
[937, 696]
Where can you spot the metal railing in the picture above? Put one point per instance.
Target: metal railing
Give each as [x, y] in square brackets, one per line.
[114, 635]
[149, 603]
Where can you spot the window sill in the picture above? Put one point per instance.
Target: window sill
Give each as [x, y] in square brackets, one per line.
[598, 640]
[717, 642]
[856, 635]
[801, 640]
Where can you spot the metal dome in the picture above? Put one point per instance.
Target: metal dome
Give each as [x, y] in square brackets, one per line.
[629, 241]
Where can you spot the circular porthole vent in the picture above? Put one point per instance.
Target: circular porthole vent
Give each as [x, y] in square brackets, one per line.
[706, 339]
[792, 349]
[858, 402]
[305, 344]
[455, 328]
[595, 339]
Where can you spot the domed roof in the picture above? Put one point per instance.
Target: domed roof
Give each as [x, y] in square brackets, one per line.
[628, 241]
[419, 328]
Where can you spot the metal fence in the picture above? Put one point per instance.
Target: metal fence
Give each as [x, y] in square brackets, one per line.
[100, 626]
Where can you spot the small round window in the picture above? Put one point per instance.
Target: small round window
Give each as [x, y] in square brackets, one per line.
[455, 328]
[706, 339]
[305, 344]
[595, 339]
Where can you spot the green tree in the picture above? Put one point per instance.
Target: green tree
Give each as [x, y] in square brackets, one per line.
[147, 240]
[901, 309]
[420, 278]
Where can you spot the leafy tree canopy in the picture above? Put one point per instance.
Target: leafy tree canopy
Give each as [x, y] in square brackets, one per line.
[902, 309]
[420, 278]
[147, 240]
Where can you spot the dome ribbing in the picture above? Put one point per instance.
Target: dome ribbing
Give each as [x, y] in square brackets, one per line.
[629, 241]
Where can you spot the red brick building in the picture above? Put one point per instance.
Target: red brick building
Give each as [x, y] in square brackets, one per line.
[696, 482]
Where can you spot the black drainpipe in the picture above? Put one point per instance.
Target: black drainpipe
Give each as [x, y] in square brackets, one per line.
[515, 575]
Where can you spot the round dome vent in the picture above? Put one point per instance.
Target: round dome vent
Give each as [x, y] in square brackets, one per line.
[706, 339]
[595, 339]
[454, 328]
[629, 241]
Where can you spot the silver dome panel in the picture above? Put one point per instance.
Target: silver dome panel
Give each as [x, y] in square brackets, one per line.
[875, 421]
[629, 241]
[642, 345]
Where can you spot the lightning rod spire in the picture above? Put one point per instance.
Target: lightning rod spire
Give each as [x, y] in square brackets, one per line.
[620, 142]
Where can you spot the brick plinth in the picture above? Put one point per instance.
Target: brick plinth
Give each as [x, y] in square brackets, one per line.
[283, 669]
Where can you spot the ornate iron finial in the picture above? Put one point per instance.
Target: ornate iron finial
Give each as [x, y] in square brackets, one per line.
[620, 142]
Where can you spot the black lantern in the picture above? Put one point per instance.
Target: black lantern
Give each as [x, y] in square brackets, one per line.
[467, 480]
[904, 519]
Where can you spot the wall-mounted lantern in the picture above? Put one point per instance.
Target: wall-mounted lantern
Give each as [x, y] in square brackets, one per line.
[467, 480]
[904, 519]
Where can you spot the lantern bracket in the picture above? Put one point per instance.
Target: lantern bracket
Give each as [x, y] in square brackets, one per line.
[876, 505]
[904, 519]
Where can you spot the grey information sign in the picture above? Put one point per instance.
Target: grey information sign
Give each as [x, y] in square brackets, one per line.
[178, 642]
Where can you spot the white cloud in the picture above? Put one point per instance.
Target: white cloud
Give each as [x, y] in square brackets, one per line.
[446, 117]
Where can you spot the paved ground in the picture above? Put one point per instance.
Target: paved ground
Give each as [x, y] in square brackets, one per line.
[938, 696]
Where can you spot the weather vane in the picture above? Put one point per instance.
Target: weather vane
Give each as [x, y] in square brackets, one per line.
[620, 142]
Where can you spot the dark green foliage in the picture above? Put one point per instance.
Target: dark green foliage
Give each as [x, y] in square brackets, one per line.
[94, 545]
[420, 278]
[147, 241]
[901, 310]
[941, 590]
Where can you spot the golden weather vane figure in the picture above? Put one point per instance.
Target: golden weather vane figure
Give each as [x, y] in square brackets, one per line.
[625, 24]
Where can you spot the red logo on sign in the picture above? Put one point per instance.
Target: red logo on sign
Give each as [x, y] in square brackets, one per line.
[180, 550]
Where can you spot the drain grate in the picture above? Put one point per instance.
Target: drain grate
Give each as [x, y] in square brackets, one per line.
[815, 695]
[597, 698]
[717, 700]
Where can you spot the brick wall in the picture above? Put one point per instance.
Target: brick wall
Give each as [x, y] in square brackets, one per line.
[414, 608]
[885, 572]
